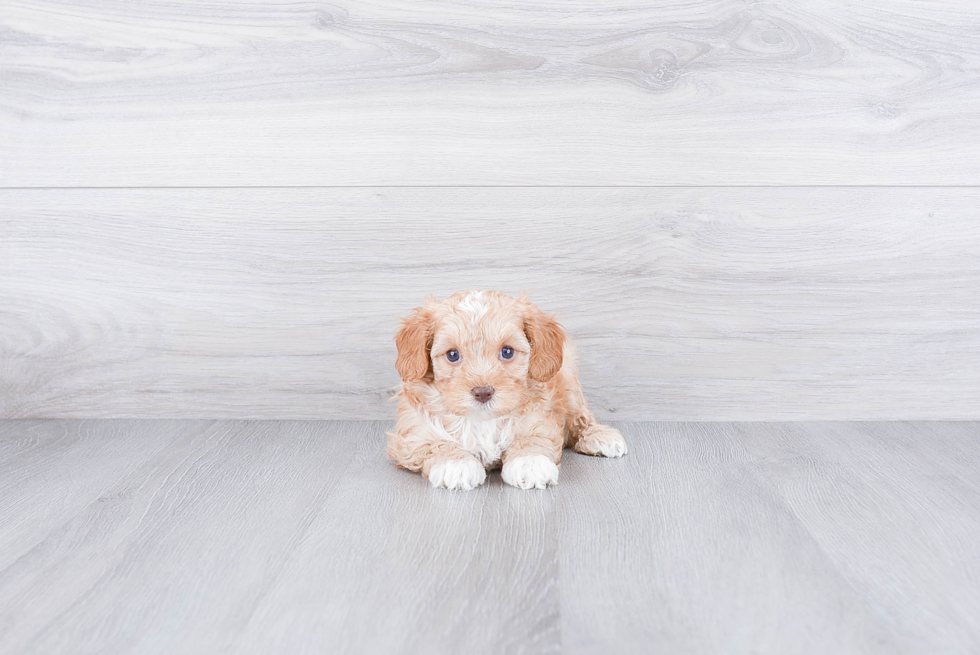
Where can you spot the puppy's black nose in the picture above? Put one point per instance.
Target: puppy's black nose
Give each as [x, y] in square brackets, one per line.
[483, 394]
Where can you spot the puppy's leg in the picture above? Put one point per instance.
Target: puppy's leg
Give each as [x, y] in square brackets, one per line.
[600, 440]
[531, 460]
[442, 462]
[585, 434]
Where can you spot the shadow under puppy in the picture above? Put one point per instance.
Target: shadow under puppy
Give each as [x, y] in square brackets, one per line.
[490, 380]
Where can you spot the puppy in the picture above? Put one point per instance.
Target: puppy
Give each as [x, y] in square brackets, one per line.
[489, 380]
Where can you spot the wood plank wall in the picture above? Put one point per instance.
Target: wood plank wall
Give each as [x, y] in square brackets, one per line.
[740, 211]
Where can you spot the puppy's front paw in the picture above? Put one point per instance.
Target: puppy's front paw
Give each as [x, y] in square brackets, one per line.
[466, 473]
[530, 472]
[601, 440]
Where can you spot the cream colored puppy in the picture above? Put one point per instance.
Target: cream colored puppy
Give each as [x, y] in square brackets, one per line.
[489, 380]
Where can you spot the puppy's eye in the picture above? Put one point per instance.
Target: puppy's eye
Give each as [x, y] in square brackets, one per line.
[506, 352]
[453, 355]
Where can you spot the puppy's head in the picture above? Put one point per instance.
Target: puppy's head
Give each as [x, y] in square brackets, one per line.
[479, 350]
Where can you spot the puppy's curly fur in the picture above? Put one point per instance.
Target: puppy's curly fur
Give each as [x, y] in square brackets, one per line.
[489, 380]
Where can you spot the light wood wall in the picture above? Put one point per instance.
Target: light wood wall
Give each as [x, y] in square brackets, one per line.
[740, 211]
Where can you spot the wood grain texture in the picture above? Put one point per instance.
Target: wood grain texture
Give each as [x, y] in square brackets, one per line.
[51, 470]
[680, 548]
[389, 566]
[285, 537]
[158, 93]
[301, 537]
[685, 303]
[896, 508]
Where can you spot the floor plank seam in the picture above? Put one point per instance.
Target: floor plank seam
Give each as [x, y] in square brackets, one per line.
[491, 186]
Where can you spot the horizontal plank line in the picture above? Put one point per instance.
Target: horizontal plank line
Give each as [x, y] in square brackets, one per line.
[501, 186]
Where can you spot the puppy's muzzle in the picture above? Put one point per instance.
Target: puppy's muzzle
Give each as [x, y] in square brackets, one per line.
[483, 394]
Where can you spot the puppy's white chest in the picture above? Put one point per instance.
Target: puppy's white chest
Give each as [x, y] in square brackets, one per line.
[485, 439]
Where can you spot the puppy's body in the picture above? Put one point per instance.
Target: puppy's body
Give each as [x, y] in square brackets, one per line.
[489, 380]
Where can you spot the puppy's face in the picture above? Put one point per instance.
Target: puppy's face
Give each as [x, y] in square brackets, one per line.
[480, 350]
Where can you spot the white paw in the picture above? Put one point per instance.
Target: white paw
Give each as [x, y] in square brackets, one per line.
[530, 472]
[603, 441]
[465, 473]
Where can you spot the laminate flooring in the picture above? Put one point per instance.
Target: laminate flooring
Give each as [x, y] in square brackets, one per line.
[728, 305]
[162, 536]
[739, 210]
[106, 93]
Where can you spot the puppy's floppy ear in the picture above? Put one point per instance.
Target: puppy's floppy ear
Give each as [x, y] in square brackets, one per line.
[414, 342]
[547, 343]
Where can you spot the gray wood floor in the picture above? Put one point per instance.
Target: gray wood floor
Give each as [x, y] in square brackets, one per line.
[143, 536]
